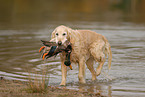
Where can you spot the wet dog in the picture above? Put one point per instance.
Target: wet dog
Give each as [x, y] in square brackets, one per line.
[87, 47]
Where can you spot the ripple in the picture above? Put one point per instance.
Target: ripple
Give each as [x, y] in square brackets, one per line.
[34, 60]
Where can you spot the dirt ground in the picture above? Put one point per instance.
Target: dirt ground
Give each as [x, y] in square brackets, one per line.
[9, 88]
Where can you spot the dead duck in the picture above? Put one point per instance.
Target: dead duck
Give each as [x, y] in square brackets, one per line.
[54, 49]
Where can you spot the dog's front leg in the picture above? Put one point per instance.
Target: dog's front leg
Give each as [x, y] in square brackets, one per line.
[82, 70]
[64, 72]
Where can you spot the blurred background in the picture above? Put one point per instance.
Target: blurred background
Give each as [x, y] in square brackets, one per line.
[19, 13]
[23, 23]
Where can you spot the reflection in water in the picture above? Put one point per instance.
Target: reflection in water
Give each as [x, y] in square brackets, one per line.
[23, 23]
[97, 89]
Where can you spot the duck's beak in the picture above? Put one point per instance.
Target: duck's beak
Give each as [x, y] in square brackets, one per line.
[70, 67]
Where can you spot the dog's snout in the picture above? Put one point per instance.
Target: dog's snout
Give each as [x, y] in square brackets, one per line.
[59, 43]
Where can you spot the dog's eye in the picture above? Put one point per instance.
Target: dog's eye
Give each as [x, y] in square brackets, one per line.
[64, 34]
[56, 34]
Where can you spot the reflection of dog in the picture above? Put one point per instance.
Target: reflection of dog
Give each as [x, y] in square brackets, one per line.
[87, 47]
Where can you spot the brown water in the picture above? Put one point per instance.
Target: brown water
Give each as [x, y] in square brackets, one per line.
[22, 28]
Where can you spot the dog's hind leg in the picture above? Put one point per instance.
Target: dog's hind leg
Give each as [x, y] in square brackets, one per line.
[97, 50]
[99, 68]
[101, 62]
[90, 63]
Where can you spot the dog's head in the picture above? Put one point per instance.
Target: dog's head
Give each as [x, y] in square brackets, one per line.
[61, 34]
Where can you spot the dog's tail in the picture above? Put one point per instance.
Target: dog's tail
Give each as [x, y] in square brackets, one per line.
[109, 53]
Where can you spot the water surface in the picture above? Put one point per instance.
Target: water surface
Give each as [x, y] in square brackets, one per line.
[21, 32]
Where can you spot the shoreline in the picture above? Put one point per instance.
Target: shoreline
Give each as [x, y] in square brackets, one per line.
[14, 88]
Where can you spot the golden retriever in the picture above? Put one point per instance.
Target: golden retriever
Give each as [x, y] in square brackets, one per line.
[87, 47]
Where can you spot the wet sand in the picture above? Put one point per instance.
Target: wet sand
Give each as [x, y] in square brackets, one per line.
[12, 88]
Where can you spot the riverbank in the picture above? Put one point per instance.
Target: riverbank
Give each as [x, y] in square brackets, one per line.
[12, 88]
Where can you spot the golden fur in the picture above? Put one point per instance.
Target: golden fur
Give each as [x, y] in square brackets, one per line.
[87, 47]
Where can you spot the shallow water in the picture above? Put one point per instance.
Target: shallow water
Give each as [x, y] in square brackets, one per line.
[21, 32]
[19, 55]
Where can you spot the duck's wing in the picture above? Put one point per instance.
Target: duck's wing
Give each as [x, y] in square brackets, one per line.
[48, 43]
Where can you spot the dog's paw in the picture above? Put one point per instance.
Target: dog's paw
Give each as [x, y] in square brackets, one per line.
[62, 84]
[93, 78]
[82, 81]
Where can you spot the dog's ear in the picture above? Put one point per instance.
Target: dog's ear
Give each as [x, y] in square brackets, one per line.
[70, 35]
[53, 34]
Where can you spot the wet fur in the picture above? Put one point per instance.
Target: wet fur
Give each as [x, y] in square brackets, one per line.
[87, 47]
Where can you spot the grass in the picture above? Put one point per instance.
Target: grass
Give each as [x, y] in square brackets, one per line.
[38, 84]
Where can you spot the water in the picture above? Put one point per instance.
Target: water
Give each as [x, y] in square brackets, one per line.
[20, 42]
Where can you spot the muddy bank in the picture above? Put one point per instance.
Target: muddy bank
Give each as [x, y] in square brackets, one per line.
[12, 88]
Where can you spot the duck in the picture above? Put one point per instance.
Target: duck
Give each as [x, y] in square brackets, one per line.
[55, 49]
